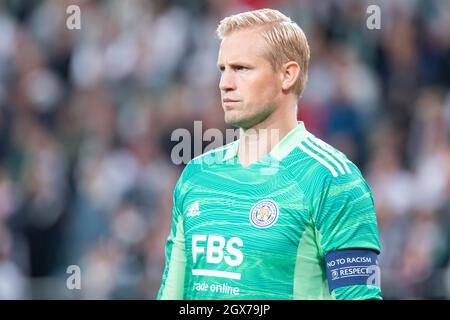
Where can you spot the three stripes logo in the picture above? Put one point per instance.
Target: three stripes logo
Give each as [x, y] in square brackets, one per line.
[333, 160]
[194, 210]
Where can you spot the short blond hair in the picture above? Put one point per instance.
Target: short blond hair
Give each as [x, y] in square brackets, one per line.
[287, 41]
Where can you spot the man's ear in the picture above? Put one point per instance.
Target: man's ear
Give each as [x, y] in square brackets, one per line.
[290, 73]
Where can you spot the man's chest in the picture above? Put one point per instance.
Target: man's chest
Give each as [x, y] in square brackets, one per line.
[254, 217]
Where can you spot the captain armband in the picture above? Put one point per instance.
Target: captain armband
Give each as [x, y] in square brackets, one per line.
[352, 267]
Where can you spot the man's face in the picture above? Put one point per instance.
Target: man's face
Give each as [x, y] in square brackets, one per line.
[249, 85]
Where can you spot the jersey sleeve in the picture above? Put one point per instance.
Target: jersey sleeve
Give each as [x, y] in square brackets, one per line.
[345, 218]
[172, 285]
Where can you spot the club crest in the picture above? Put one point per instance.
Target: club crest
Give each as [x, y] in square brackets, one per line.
[264, 214]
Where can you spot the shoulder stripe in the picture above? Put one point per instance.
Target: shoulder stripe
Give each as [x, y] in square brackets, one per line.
[326, 155]
[333, 152]
[322, 161]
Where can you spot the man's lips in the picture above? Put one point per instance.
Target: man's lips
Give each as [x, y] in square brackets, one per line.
[228, 100]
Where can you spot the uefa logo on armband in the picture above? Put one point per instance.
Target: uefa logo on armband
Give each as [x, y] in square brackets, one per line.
[264, 214]
[334, 275]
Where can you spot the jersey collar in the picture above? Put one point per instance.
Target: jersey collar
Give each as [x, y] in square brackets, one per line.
[282, 149]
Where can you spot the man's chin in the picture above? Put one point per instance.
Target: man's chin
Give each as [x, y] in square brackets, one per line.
[234, 122]
[244, 123]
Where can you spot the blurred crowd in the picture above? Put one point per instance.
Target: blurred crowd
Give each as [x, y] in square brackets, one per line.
[86, 116]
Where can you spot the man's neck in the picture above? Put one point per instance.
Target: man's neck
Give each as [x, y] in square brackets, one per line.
[256, 142]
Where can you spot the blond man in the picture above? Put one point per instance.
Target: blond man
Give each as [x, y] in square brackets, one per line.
[279, 213]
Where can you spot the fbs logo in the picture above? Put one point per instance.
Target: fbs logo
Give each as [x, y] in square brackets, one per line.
[216, 249]
[193, 210]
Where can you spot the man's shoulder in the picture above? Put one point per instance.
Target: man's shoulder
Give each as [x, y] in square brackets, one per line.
[216, 156]
[316, 160]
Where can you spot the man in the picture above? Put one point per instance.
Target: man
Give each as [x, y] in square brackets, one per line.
[273, 216]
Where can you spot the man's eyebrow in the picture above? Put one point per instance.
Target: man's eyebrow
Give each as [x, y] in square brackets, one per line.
[235, 64]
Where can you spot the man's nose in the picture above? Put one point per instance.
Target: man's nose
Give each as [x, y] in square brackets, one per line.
[227, 82]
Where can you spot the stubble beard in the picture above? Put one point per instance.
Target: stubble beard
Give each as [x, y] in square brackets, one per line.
[249, 121]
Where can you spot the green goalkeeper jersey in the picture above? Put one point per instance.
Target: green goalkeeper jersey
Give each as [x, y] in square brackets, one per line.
[264, 231]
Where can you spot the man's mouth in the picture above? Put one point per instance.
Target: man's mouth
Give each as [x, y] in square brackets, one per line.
[228, 100]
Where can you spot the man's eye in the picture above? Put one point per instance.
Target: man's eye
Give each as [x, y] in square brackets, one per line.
[241, 68]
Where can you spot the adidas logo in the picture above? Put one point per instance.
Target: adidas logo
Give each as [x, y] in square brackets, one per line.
[193, 210]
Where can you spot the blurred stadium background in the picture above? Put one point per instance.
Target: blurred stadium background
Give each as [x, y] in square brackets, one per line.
[86, 117]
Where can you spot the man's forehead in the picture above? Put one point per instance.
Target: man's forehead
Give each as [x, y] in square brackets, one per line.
[241, 45]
